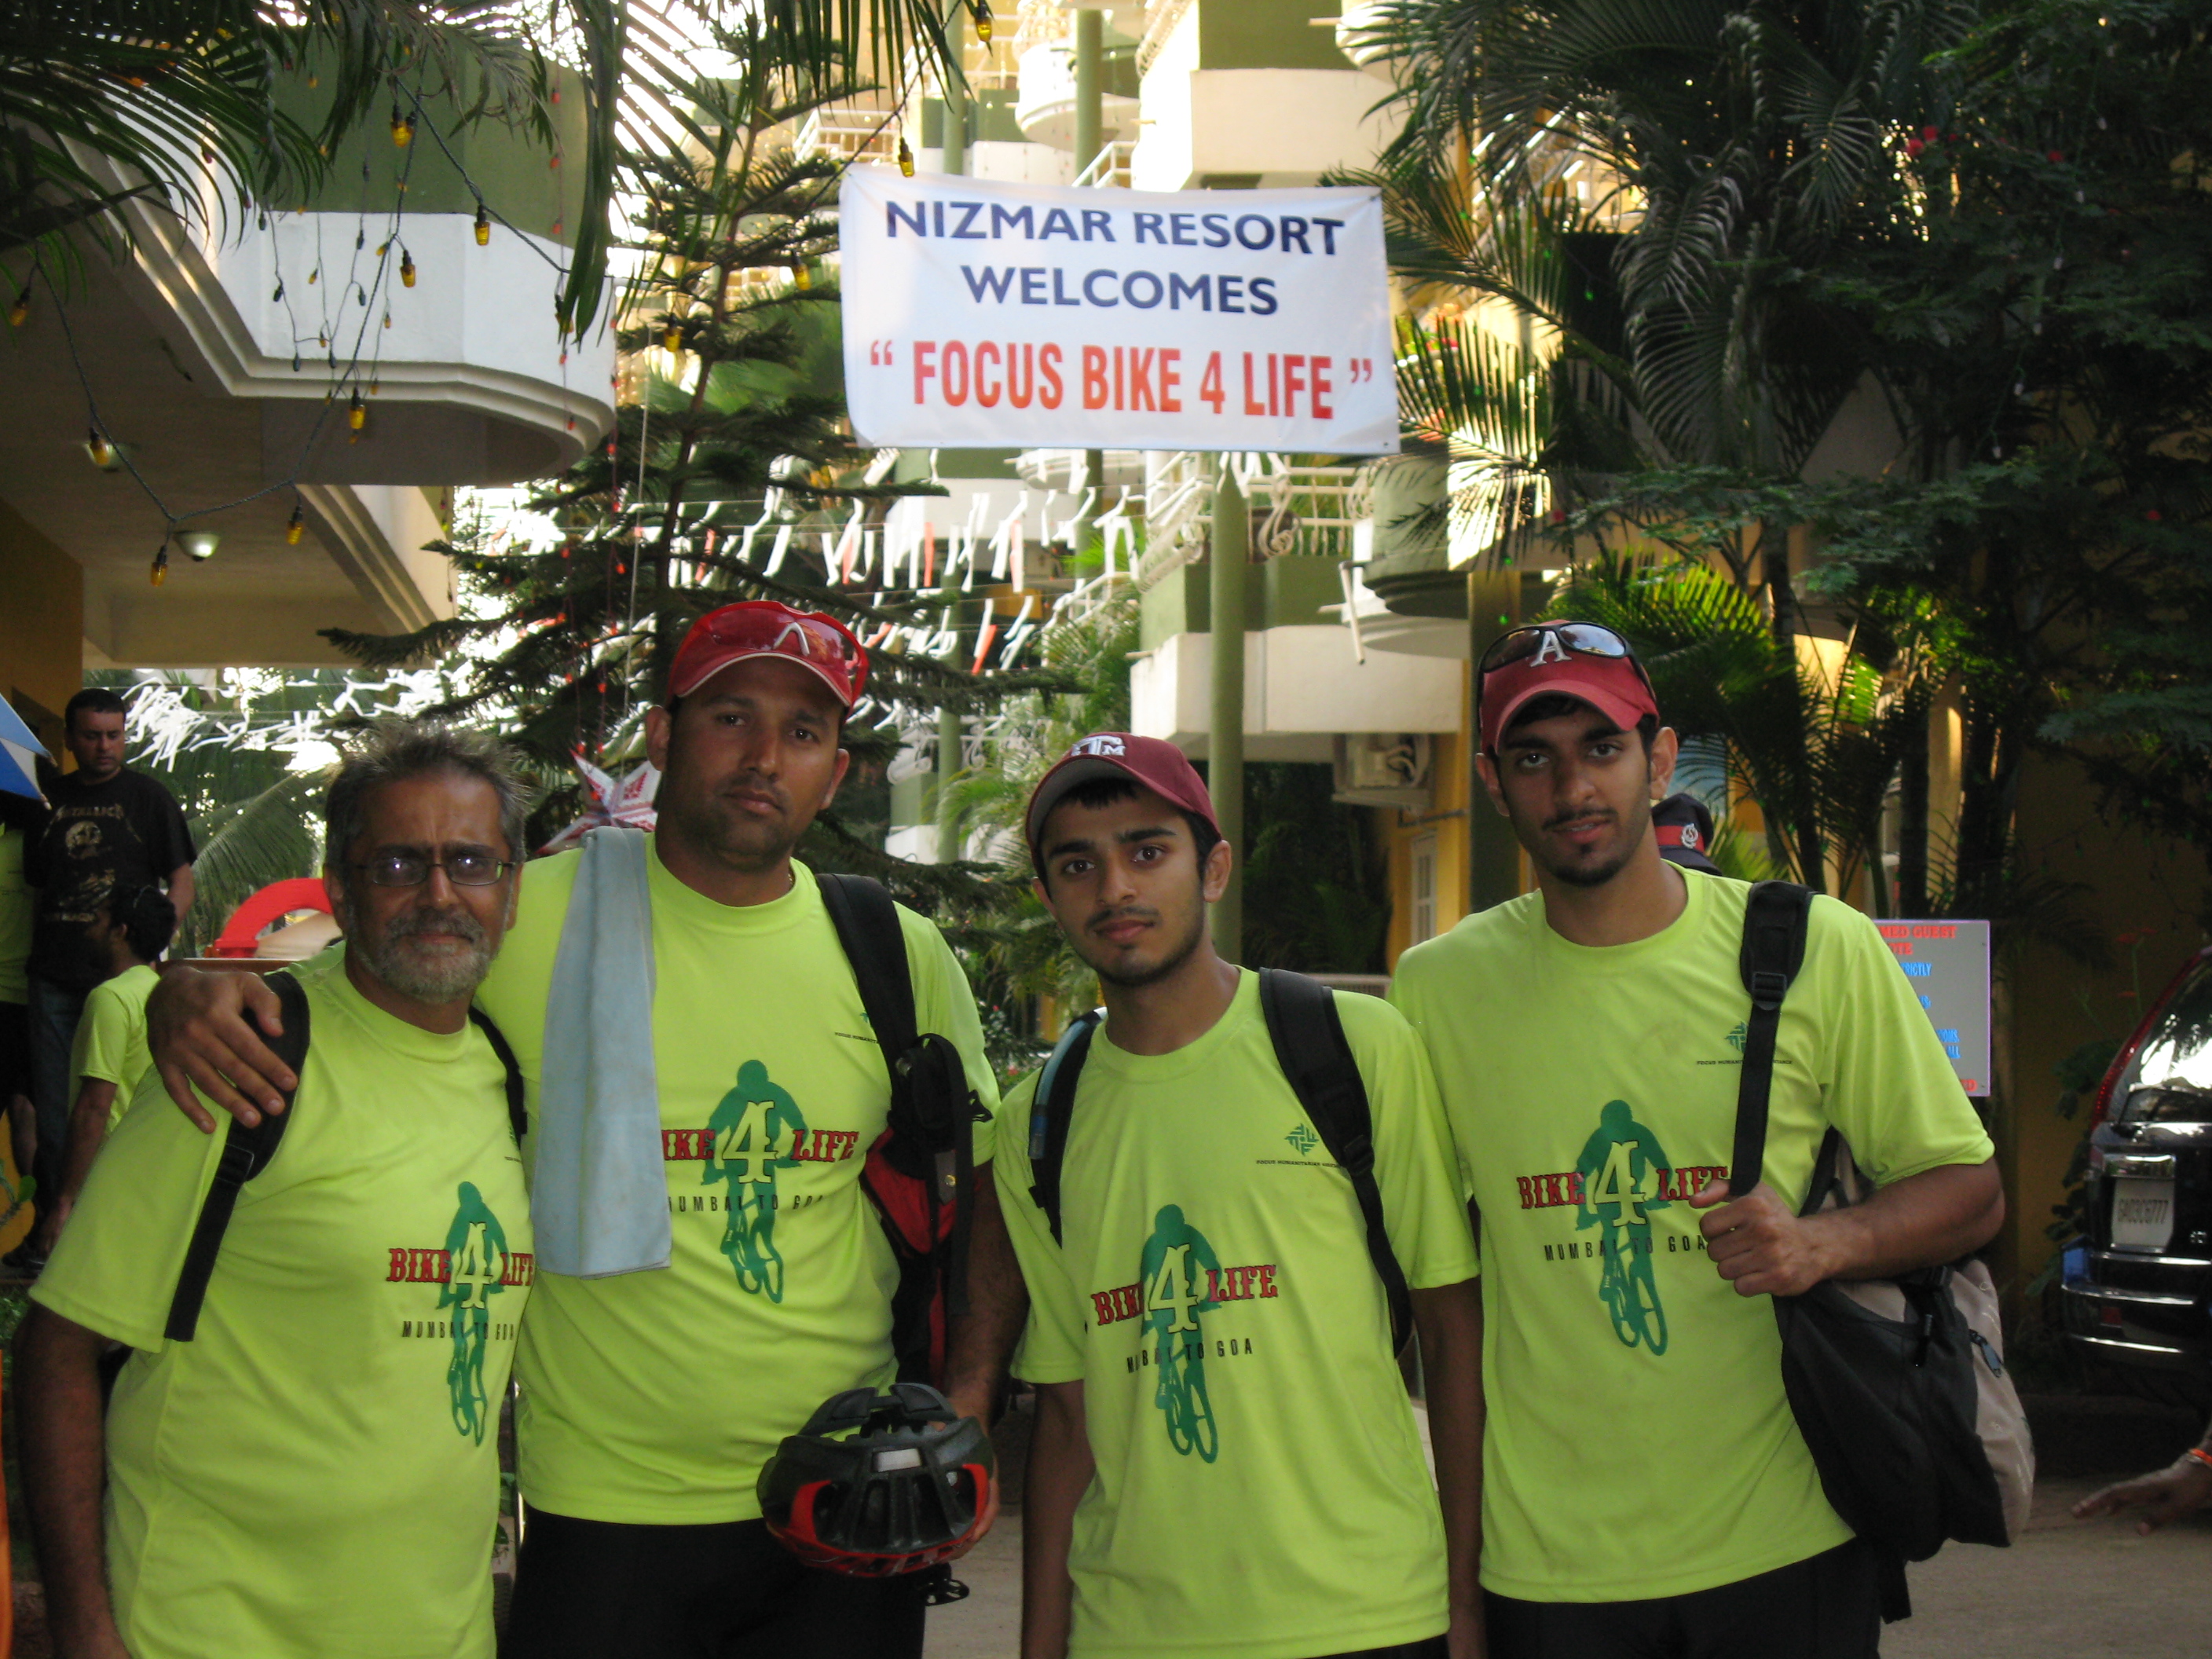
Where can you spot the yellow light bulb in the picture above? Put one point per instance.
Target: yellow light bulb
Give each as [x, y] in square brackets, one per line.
[982, 22]
[406, 269]
[294, 526]
[160, 573]
[483, 226]
[97, 446]
[671, 338]
[802, 276]
[19, 312]
[906, 158]
[356, 413]
[403, 130]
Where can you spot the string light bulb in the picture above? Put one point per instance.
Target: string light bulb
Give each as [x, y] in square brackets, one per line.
[403, 129]
[906, 159]
[483, 226]
[295, 524]
[101, 451]
[406, 269]
[672, 337]
[19, 312]
[356, 413]
[160, 573]
[801, 276]
[982, 13]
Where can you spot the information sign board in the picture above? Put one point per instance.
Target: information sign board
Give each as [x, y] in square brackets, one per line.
[984, 314]
[1948, 965]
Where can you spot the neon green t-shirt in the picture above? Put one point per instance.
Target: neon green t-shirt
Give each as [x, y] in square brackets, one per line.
[16, 902]
[111, 1037]
[1640, 1442]
[317, 1472]
[655, 1397]
[1261, 1489]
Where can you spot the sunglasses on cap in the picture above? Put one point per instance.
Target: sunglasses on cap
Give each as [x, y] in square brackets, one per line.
[757, 628]
[1542, 642]
[815, 634]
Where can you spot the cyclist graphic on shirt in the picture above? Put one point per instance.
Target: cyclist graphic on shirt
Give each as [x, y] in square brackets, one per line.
[1618, 1167]
[746, 1131]
[1173, 1272]
[476, 1249]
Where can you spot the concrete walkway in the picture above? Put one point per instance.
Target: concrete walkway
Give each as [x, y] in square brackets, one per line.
[2067, 1589]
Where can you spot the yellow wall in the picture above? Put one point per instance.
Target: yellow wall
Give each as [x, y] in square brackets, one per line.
[41, 620]
[1447, 819]
[2130, 884]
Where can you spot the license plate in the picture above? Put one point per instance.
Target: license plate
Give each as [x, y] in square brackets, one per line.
[2142, 1214]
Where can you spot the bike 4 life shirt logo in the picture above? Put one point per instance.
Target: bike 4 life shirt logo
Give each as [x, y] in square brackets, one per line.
[1621, 1175]
[756, 1133]
[1181, 1280]
[473, 1269]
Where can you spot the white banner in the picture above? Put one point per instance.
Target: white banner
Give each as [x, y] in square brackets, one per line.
[986, 315]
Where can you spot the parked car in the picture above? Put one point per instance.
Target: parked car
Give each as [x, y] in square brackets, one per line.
[2138, 1295]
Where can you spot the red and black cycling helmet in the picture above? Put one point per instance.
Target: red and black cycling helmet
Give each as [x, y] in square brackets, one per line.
[880, 1483]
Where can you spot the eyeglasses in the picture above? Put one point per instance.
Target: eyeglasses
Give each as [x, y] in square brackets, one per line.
[469, 867]
[1524, 644]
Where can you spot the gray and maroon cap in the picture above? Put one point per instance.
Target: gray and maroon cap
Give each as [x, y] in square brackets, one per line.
[1153, 763]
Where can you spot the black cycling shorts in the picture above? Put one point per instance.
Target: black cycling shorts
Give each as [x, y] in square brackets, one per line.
[1827, 1607]
[603, 1589]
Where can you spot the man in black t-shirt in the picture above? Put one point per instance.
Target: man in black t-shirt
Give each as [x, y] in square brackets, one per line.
[107, 827]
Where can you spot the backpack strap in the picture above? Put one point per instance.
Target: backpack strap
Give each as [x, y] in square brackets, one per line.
[868, 924]
[931, 1133]
[245, 1153]
[1310, 1047]
[1774, 925]
[1052, 1104]
[518, 1114]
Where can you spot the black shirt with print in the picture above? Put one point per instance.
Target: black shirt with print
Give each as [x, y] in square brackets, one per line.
[129, 831]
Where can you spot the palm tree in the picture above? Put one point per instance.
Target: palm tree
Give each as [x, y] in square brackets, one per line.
[103, 102]
[1723, 151]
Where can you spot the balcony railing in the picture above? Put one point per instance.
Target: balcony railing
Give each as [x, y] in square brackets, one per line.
[1161, 17]
[1312, 511]
[1109, 168]
[855, 136]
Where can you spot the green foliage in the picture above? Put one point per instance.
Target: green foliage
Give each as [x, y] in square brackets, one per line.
[1316, 880]
[714, 487]
[1023, 956]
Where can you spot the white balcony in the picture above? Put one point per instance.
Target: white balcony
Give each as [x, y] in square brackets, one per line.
[1303, 685]
[1277, 127]
[188, 355]
[1046, 108]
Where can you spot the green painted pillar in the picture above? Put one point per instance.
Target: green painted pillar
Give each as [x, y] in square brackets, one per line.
[956, 91]
[1089, 139]
[949, 724]
[1493, 607]
[1230, 555]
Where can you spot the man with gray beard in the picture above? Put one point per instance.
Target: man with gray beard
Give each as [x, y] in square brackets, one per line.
[314, 1469]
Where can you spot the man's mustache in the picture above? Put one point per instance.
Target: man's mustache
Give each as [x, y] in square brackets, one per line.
[1604, 815]
[409, 923]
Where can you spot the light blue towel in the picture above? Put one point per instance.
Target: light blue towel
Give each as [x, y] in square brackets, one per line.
[598, 1200]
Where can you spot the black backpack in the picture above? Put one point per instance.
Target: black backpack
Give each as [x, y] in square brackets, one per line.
[1910, 1419]
[919, 1175]
[246, 1152]
[1317, 1060]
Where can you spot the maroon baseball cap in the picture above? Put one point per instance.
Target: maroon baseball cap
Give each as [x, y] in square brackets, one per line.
[1154, 763]
[763, 627]
[1563, 658]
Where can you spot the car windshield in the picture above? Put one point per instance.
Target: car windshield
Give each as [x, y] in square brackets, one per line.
[2172, 1078]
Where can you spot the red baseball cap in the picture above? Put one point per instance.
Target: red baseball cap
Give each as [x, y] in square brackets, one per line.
[1154, 763]
[1564, 658]
[764, 628]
